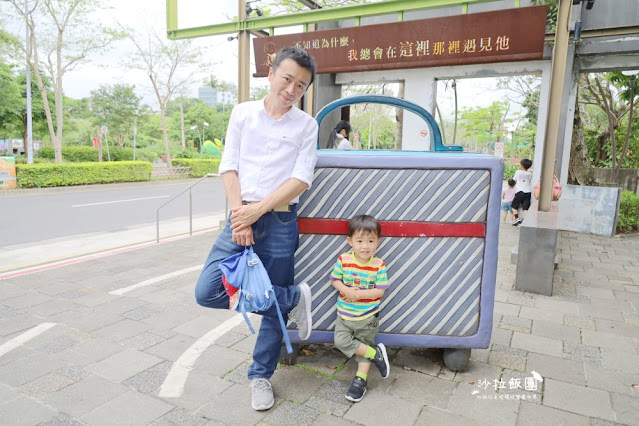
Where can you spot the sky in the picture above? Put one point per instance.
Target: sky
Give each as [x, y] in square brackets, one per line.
[108, 68]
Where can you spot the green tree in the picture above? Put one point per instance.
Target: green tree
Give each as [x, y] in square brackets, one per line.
[149, 127]
[174, 105]
[194, 119]
[485, 125]
[13, 105]
[10, 99]
[259, 92]
[169, 66]
[115, 106]
[606, 109]
[376, 130]
[76, 37]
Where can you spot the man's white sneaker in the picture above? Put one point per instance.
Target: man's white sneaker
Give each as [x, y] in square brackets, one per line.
[262, 394]
[301, 313]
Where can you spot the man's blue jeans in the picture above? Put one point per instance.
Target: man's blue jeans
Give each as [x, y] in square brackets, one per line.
[276, 239]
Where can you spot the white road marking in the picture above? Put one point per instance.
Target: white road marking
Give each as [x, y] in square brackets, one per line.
[120, 201]
[25, 337]
[121, 291]
[173, 386]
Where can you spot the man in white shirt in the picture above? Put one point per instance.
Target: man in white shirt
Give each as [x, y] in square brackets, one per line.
[268, 161]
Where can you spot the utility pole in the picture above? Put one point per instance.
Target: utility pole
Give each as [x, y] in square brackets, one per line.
[557, 76]
[243, 38]
[28, 71]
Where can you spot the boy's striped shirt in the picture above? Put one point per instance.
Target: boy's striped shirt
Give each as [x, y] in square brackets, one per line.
[365, 276]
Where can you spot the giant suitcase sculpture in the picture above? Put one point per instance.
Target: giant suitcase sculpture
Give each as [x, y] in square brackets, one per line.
[440, 219]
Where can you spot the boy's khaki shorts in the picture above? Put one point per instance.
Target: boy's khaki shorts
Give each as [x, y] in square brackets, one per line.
[349, 334]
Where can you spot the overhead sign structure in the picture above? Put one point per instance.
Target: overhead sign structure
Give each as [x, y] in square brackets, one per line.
[500, 36]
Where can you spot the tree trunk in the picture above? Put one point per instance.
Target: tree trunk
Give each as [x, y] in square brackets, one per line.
[57, 92]
[615, 172]
[35, 67]
[182, 123]
[601, 142]
[579, 170]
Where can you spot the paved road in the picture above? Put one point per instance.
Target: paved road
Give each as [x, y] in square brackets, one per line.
[41, 215]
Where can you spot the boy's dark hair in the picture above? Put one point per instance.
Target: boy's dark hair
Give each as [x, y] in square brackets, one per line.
[512, 182]
[364, 223]
[300, 56]
[526, 163]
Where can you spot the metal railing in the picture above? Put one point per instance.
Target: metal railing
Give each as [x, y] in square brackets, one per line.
[157, 213]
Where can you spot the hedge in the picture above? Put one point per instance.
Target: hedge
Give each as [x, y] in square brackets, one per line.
[82, 154]
[66, 174]
[628, 212]
[509, 170]
[199, 167]
[75, 154]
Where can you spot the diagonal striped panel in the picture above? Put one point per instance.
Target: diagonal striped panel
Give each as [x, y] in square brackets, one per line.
[435, 282]
[433, 195]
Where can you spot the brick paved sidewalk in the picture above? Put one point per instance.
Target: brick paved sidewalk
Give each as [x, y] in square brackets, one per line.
[106, 357]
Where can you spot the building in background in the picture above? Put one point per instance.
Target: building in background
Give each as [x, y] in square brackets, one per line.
[213, 97]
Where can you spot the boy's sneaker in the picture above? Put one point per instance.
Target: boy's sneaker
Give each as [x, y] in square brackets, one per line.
[357, 390]
[262, 394]
[516, 221]
[301, 313]
[381, 360]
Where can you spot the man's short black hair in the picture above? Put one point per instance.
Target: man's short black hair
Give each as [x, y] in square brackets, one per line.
[300, 56]
[364, 223]
[526, 163]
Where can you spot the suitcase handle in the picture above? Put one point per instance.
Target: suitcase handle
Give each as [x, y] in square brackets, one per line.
[435, 138]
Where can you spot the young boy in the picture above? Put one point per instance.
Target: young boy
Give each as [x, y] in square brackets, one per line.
[523, 188]
[361, 280]
[507, 196]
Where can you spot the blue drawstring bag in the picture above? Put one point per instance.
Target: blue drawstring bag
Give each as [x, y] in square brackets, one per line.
[256, 293]
[233, 269]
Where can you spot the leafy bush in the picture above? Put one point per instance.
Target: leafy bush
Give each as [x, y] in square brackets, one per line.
[84, 154]
[74, 154]
[509, 170]
[628, 212]
[199, 167]
[22, 159]
[45, 175]
[145, 154]
[119, 154]
[187, 154]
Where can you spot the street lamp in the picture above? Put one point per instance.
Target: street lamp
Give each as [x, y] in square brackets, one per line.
[135, 133]
[204, 124]
[27, 47]
[196, 127]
